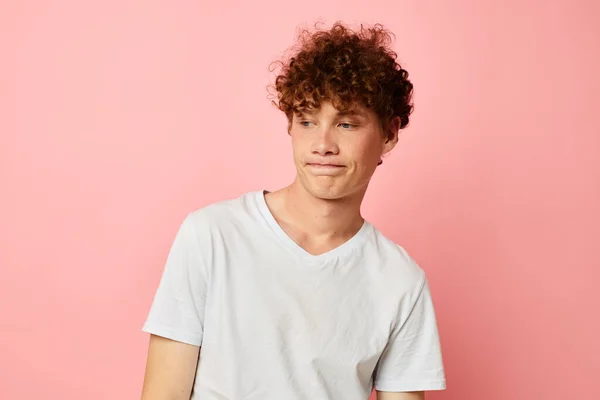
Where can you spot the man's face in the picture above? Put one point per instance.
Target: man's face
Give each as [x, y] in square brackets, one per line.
[337, 153]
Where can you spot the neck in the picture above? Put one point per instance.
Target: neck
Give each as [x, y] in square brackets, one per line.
[317, 217]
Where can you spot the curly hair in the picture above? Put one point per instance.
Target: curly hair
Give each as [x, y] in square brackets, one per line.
[346, 68]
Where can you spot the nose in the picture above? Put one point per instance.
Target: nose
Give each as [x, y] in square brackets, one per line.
[325, 142]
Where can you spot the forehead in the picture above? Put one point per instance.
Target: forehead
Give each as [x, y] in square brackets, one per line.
[326, 108]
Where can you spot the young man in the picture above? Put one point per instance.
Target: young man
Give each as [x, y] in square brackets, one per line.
[291, 294]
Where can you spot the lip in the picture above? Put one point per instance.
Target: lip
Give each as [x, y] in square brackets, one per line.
[324, 169]
[320, 165]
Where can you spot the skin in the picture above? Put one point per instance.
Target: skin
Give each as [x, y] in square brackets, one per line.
[335, 155]
[400, 396]
[170, 369]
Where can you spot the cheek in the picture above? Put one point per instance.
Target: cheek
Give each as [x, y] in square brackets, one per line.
[299, 148]
[296, 143]
[366, 151]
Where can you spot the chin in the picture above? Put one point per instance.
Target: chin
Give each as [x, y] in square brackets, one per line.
[329, 192]
[330, 187]
[327, 195]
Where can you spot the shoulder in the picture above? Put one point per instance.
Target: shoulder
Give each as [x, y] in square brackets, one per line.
[400, 271]
[215, 228]
[220, 214]
[220, 224]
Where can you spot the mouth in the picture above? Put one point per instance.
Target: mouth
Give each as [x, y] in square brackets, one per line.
[324, 169]
[319, 165]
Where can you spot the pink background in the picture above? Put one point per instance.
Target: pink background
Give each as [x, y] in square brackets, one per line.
[119, 117]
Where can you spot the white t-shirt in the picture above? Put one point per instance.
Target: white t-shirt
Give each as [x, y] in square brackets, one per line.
[275, 322]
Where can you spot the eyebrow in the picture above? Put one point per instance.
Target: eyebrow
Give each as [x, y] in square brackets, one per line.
[349, 113]
[352, 113]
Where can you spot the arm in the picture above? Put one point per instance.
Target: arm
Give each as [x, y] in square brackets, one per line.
[412, 363]
[176, 320]
[170, 369]
[400, 396]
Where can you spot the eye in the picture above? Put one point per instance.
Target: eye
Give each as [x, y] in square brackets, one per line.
[346, 125]
[305, 123]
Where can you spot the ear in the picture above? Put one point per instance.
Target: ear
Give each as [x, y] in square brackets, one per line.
[391, 134]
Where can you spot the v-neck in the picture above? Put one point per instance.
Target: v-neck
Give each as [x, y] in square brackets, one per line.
[304, 256]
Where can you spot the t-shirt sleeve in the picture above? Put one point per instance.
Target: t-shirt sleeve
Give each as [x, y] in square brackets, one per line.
[412, 360]
[177, 311]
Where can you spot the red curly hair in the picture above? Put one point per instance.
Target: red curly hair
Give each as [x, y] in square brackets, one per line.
[346, 68]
